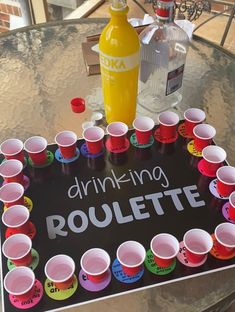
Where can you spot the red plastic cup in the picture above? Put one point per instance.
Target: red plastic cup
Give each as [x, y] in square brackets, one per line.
[12, 171]
[78, 105]
[231, 207]
[168, 122]
[12, 194]
[36, 147]
[225, 180]
[66, 140]
[60, 270]
[197, 243]
[13, 149]
[117, 131]
[95, 263]
[131, 255]
[94, 139]
[193, 117]
[17, 219]
[17, 248]
[19, 282]
[214, 157]
[165, 248]
[143, 129]
[225, 237]
[203, 135]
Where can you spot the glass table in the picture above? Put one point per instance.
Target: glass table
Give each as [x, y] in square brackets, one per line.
[42, 68]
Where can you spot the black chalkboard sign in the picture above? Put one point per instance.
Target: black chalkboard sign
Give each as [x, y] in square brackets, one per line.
[104, 201]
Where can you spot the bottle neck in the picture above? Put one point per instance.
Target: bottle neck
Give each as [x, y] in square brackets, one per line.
[164, 11]
[119, 15]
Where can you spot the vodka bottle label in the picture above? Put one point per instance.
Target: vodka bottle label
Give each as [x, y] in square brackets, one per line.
[174, 80]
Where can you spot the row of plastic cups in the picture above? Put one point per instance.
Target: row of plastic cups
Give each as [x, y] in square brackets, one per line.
[95, 262]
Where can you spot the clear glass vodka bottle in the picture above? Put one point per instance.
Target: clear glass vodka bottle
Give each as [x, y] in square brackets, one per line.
[164, 47]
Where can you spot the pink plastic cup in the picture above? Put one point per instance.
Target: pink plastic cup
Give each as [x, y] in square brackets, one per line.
[203, 135]
[231, 207]
[131, 255]
[19, 282]
[225, 237]
[17, 219]
[13, 149]
[225, 180]
[66, 140]
[117, 132]
[12, 171]
[36, 147]
[143, 129]
[193, 117]
[95, 263]
[60, 270]
[12, 194]
[168, 122]
[165, 248]
[197, 243]
[214, 157]
[18, 248]
[94, 139]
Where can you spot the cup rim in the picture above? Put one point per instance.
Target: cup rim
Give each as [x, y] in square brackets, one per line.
[7, 185]
[199, 111]
[12, 139]
[131, 265]
[64, 279]
[143, 117]
[204, 138]
[11, 238]
[95, 140]
[198, 252]
[95, 249]
[15, 161]
[165, 257]
[117, 135]
[11, 272]
[14, 207]
[217, 147]
[230, 201]
[63, 132]
[168, 125]
[218, 239]
[218, 171]
[35, 137]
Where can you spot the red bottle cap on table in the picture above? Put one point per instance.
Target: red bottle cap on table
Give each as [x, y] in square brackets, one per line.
[78, 105]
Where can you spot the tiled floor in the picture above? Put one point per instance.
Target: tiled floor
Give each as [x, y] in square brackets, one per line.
[212, 31]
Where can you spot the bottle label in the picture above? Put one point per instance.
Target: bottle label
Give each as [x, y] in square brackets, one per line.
[174, 80]
[119, 64]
